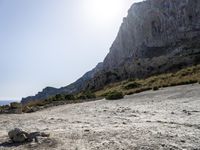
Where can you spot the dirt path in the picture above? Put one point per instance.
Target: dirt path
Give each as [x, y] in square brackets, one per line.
[164, 119]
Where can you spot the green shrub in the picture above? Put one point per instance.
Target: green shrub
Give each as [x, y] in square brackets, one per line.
[155, 88]
[87, 95]
[69, 97]
[58, 97]
[114, 95]
[132, 85]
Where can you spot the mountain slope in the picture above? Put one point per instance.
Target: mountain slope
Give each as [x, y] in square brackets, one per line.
[72, 88]
[157, 36]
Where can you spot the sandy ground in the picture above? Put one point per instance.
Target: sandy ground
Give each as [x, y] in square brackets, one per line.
[167, 119]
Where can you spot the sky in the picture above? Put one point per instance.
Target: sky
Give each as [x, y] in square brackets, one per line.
[53, 42]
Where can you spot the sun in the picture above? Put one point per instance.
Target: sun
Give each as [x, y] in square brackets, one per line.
[104, 10]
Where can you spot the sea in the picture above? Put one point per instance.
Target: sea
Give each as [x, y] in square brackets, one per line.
[6, 102]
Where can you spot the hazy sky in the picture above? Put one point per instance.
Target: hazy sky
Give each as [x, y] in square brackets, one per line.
[53, 42]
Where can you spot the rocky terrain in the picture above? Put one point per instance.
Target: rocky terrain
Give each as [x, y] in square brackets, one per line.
[164, 119]
[157, 36]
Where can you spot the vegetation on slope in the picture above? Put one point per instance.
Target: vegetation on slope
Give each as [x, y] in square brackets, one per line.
[59, 99]
[185, 76]
[117, 90]
[114, 95]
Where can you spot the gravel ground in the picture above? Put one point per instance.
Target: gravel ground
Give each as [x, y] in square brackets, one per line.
[168, 119]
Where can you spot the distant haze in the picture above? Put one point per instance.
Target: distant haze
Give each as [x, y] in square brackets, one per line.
[53, 42]
[6, 102]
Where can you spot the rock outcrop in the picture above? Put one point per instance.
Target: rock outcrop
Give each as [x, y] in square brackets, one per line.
[157, 36]
[153, 26]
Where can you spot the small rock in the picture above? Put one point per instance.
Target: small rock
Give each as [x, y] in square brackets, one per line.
[182, 141]
[86, 130]
[124, 123]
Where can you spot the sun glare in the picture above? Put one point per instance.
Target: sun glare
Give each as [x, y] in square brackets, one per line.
[104, 10]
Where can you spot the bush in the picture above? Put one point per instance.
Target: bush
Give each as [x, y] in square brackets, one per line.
[87, 95]
[155, 88]
[114, 95]
[131, 85]
[69, 97]
[58, 97]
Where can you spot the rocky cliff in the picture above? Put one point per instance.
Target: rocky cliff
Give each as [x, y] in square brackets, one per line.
[151, 26]
[157, 36]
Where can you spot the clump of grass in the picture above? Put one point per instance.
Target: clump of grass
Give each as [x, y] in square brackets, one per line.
[114, 95]
[131, 85]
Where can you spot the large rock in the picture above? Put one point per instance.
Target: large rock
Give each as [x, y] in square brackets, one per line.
[18, 136]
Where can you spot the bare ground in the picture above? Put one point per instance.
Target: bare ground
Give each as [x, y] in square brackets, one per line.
[168, 119]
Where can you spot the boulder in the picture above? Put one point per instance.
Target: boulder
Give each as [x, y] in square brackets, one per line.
[18, 136]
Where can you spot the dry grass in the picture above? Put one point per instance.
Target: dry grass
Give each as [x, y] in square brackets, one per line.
[188, 75]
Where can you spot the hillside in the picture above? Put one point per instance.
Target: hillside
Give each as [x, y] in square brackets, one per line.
[157, 36]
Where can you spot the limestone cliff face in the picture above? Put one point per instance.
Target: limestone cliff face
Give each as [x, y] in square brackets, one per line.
[152, 25]
[157, 36]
